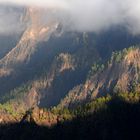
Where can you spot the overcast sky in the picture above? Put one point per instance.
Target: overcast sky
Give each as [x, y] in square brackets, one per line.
[85, 15]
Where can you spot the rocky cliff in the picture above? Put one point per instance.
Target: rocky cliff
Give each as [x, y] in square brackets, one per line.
[36, 31]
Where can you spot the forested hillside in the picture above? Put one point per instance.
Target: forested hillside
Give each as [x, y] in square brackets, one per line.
[98, 119]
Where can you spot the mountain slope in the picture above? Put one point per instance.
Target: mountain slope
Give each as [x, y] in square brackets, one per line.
[35, 32]
[121, 74]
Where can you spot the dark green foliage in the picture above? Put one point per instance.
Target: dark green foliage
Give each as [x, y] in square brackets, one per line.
[118, 56]
[108, 118]
[96, 67]
[16, 94]
[65, 113]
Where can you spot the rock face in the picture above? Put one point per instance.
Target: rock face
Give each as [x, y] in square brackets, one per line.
[65, 72]
[14, 65]
[35, 32]
[121, 74]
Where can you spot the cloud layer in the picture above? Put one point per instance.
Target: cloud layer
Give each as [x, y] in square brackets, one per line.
[84, 15]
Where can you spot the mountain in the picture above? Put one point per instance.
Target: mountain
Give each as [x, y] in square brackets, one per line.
[37, 53]
[34, 33]
[60, 83]
[14, 62]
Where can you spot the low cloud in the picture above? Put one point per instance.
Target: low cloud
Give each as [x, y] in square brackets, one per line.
[81, 15]
[10, 20]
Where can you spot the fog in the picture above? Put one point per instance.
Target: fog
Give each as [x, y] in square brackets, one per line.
[79, 15]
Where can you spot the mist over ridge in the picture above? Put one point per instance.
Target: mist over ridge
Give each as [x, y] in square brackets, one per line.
[77, 15]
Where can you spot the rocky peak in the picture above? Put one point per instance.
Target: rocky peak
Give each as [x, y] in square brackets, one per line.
[36, 30]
